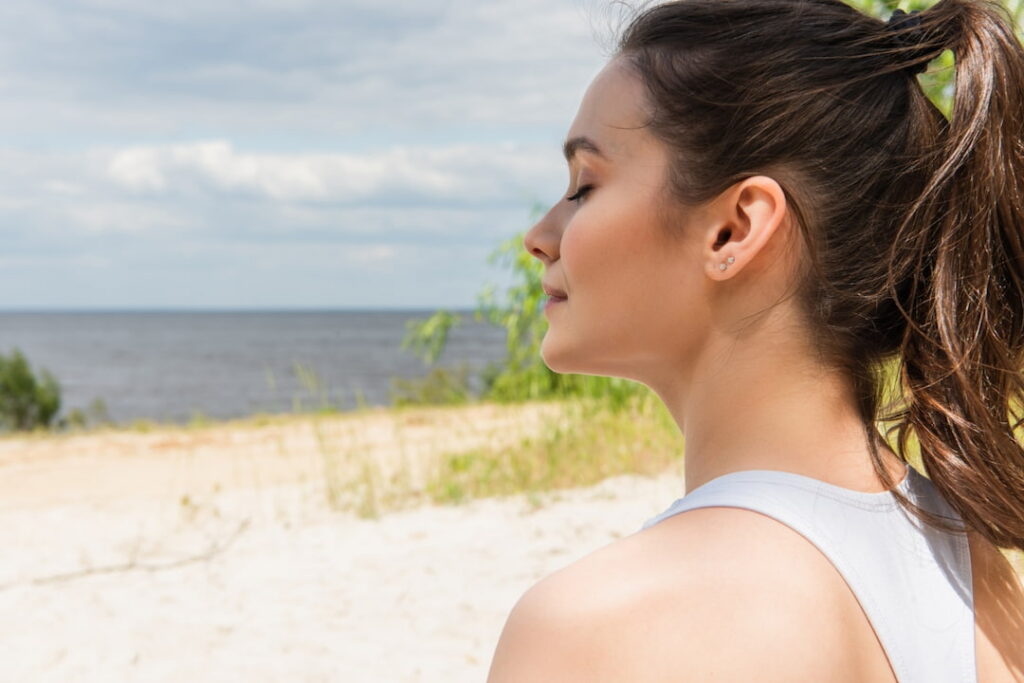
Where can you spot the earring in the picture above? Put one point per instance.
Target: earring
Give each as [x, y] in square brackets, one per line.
[723, 266]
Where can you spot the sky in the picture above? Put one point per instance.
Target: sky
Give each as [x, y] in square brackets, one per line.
[280, 153]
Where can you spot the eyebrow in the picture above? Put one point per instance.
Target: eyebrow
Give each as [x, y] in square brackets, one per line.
[573, 145]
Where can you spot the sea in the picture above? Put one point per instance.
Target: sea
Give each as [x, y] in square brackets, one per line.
[182, 366]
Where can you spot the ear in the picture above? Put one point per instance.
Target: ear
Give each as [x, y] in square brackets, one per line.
[744, 218]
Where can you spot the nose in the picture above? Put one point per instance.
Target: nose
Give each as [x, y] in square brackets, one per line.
[541, 241]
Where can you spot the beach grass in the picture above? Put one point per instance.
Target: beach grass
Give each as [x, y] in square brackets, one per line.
[586, 443]
[567, 444]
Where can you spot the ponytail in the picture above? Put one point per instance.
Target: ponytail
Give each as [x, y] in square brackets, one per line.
[956, 273]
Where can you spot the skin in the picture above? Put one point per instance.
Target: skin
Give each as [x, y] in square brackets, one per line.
[646, 300]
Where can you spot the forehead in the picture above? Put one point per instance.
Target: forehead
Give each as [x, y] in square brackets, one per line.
[612, 112]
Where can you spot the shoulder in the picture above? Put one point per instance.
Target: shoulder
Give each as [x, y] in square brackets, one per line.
[714, 593]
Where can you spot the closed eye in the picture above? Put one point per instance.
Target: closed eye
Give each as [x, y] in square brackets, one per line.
[580, 193]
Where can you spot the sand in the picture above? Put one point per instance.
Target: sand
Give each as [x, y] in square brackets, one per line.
[216, 555]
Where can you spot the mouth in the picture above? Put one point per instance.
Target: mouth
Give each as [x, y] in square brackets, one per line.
[553, 301]
[554, 294]
[555, 297]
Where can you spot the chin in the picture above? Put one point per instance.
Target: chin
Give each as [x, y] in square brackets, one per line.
[552, 364]
[564, 360]
[556, 359]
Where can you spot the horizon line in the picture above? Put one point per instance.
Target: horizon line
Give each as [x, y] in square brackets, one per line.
[234, 309]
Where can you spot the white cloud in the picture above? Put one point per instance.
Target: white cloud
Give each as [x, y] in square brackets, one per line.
[138, 169]
[123, 217]
[330, 67]
[194, 138]
[456, 173]
[61, 187]
[372, 254]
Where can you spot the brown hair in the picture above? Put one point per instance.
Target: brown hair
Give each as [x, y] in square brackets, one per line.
[913, 225]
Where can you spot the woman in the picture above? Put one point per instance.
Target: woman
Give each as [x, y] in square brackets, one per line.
[764, 208]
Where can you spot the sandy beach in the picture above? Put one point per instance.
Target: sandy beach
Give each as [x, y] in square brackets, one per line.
[216, 554]
[243, 551]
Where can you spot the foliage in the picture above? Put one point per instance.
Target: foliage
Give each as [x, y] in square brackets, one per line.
[96, 413]
[440, 386]
[938, 80]
[27, 400]
[639, 437]
[428, 338]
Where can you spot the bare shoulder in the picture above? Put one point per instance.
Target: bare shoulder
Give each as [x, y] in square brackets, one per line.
[714, 593]
[999, 613]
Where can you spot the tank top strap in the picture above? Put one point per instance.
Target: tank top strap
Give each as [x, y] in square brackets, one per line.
[913, 582]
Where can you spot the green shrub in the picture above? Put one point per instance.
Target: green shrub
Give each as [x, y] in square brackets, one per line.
[448, 386]
[27, 400]
[95, 414]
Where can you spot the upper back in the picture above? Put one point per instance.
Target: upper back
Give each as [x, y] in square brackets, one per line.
[913, 582]
[905, 594]
[730, 592]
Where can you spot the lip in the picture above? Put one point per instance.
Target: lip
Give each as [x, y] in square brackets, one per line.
[553, 301]
[553, 292]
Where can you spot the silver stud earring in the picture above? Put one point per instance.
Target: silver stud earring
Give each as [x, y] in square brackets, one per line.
[723, 266]
[731, 259]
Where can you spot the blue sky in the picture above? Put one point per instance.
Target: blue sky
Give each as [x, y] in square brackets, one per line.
[280, 153]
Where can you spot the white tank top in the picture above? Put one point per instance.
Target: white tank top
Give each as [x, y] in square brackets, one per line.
[913, 582]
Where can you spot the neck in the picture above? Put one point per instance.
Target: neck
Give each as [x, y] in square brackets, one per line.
[760, 403]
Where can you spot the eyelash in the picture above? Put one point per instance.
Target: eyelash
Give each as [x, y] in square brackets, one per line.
[580, 193]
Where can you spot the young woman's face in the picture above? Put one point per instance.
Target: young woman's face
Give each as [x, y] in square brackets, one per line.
[635, 297]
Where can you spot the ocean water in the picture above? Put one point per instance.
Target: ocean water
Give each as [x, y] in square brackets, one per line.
[173, 366]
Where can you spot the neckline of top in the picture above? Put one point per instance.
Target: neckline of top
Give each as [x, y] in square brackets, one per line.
[877, 497]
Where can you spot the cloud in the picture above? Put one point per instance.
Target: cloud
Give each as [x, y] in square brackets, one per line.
[329, 67]
[149, 150]
[123, 217]
[454, 174]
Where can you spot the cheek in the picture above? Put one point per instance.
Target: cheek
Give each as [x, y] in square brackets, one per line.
[634, 297]
[614, 260]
